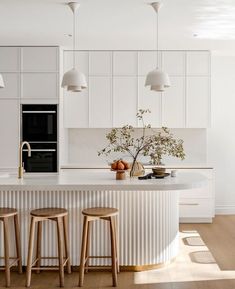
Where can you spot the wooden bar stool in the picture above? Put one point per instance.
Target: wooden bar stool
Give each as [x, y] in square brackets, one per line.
[92, 214]
[60, 216]
[5, 215]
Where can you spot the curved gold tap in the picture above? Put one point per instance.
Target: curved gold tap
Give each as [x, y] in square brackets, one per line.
[21, 167]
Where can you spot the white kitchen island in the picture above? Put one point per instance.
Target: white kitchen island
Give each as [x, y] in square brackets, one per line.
[148, 212]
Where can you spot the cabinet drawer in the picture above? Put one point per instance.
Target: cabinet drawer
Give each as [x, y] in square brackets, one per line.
[202, 193]
[196, 208]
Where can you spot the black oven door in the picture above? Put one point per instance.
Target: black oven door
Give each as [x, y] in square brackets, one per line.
[39, 122]
[43, 158]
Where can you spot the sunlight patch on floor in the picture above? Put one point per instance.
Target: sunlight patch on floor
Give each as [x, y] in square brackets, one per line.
[194, 263]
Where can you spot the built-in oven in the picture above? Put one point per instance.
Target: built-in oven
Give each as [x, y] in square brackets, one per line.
[43, 158]
[39, 128]
[39, 122]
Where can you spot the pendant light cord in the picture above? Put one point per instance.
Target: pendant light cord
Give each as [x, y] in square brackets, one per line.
[74, 31]
[157, 33]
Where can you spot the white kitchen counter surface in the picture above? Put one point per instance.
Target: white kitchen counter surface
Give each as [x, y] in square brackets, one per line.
[90, 180]
[171, 166]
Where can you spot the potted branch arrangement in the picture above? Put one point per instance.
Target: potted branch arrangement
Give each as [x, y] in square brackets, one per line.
[150, 143]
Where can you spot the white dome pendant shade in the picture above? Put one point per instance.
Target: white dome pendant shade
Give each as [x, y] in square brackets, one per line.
[73, 79]
[157, 79]
[2, 85]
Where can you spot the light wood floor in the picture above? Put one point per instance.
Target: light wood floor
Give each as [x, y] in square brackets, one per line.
[206, 261]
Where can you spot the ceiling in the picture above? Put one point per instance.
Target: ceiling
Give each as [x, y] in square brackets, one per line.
[120, 24]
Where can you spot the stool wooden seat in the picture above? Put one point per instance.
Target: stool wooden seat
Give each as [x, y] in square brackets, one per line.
[92, 214]
[60, 216]
[5, 215]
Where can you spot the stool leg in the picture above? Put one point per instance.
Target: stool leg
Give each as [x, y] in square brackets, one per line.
[30, 251]
[116, 244]
[113, 252]
[60, 249]
[88, 246]
[39, 245]
[83, 251]
[18, 242]
[66, 243]
[6, 251]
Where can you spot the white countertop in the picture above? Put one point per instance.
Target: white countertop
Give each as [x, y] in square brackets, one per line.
[90, 180]
[168, 166]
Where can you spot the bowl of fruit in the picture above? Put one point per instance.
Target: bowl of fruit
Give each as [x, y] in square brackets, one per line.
[120, 167]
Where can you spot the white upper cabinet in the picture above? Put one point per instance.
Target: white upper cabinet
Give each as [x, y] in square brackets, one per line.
[12, 85]
[76, 110]
[198, 63]
[173, 104]
[100, 63]
[125, 63]
[116, 88]
[81, 61]
[149, 100]
[9, 59]
[39, 85]
[9, 131]
[100, 109]
[40, 59]
[124, 101]
[173, 62]
[147, 61]
[198, 102]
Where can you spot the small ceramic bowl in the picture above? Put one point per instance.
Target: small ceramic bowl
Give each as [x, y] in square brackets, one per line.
[159, 171]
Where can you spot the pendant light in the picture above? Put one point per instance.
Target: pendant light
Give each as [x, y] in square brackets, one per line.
[157, 79]
[2, 85]
[73, 79]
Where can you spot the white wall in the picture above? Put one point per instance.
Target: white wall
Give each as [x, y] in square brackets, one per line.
[221, 137]
[84, 143]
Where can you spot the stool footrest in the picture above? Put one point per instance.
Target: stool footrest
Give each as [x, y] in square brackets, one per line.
[15, 260]
[98, 267]
[47, 258]
[98, 257]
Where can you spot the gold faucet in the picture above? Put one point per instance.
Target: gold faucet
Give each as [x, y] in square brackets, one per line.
[21, 167]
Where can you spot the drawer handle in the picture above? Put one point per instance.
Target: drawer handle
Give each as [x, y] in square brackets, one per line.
[188, 204]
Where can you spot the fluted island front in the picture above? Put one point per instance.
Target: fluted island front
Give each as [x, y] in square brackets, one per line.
[148, 212]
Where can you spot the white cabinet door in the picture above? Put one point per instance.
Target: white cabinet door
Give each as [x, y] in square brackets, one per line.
[125, 63]
[9, 132]
[197, 102]
[39, 85]
[100, 63]
[12, 86]
[147, 61]
[100, 109]
[173, 62]
[173, 104]
[40, 59]
[9, 59]
[151, 100]
[124, 101]
[81, 61]
[198, 63]
[76, 109]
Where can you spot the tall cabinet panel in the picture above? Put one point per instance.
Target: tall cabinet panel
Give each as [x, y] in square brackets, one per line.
[149, 100]
[100, 102]
[173, 104]
[39, 74]
[124, 101]
[9, 59]
[9, 131]
[197, 102]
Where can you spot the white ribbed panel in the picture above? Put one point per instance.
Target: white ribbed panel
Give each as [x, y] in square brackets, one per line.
[147, 223]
